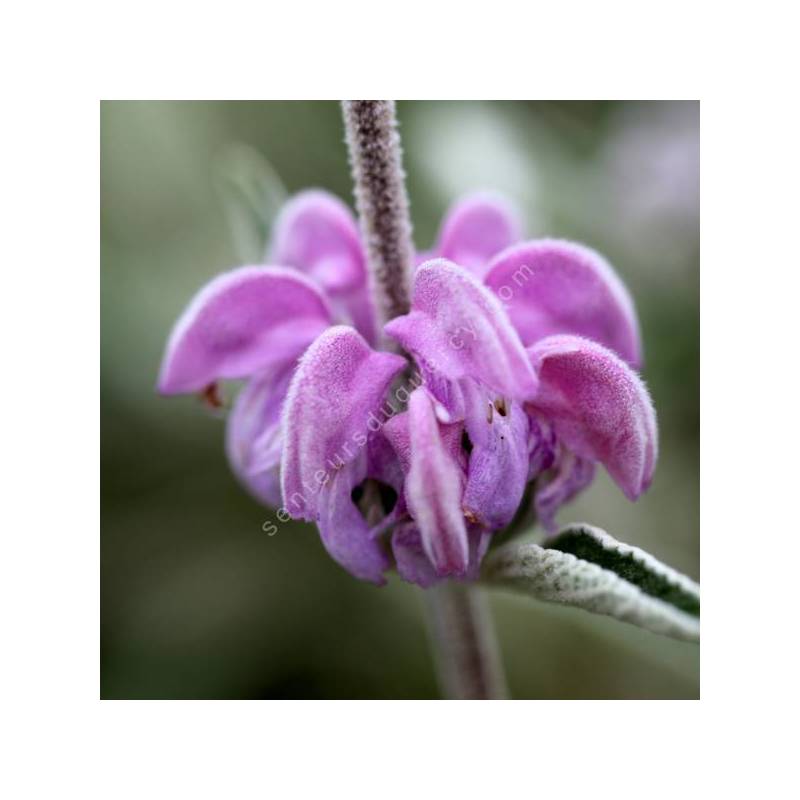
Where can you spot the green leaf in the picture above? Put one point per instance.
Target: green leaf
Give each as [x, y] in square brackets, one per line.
[585, 567]
[252, 194]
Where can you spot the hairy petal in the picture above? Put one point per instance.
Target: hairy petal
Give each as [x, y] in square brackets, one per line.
[458, 329]
[413, 565]
[541, 446]
[338, 384]
[476, 228]
[479, 540]
[599, 408]
[572, 475]
[433, 490]
[253, 436]
[344, 531]
[318, 234]
[397, 432]
[551, 286]
[499, 461]
[240, 324]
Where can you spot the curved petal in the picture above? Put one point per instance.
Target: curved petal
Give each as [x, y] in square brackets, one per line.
[433, 490]
[599, 408]
[541, 446]
[397, 432]
[343, 529]
[240, 324]
[253, 436]
[476, 228]
[317, 233]
[499, 461]
[458, 329]
[572, 475]
[550, 287]
[413, 565]
[338, 386]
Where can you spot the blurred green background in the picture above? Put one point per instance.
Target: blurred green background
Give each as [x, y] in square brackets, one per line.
[198, 602]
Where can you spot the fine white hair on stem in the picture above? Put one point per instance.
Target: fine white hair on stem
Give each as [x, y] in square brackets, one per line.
[465, 646]
[466, 649]
[373, 142]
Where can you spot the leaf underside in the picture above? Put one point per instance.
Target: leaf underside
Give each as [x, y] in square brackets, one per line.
[586, 568]
[581, 542]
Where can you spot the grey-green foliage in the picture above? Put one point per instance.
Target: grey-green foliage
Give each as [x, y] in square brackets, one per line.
[252, 194]
[585, 567]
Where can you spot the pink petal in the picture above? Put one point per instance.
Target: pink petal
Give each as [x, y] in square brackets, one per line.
[397, 431]
[458, 329]
[317, 233]
[338, 384]
[476, 228]
[413, 565]
[433, 490]
[253, 437]
[499, 461]
[550, 287]
[240, 324]
[599, 408]
[572, 476]
[343, 529]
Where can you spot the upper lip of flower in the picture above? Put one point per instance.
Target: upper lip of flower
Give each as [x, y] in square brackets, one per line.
[570, 399]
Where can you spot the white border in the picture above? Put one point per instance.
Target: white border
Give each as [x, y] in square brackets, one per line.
[59, 60]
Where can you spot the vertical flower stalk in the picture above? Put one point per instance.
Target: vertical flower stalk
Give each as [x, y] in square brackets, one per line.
[381, 200]
[467, 657]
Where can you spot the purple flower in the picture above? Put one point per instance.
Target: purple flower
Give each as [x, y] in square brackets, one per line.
[523, 358]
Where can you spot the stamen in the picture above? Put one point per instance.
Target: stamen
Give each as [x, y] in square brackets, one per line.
[211, 397]
[500, 405]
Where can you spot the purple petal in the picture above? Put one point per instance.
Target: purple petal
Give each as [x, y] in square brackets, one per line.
[572, 475]
[541, 446]
[343, 529]
[450, 403]
[479, 540]
[433, 490]
[476, 228]
[397, 432]
[338, 384]
[499, 461]
[253, 436]
[317, 233]
[242, 323]
[458, 329]
[550, 287]
[358, 307]
[413, 565]
[599, 408]
[383, 464]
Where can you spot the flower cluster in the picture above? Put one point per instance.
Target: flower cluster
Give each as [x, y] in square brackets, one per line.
[523, 377]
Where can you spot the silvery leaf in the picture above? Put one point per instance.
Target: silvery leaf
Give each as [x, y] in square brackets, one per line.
[583, 566]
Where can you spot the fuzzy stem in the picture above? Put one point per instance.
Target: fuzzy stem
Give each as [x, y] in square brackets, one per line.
[466, 650]
[376, 162]
[467, 656]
